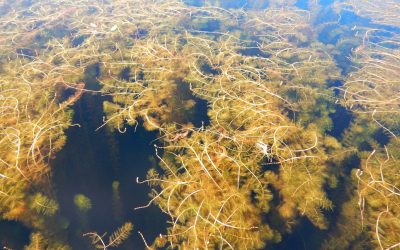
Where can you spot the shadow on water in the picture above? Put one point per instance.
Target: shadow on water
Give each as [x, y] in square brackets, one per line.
[13, 235]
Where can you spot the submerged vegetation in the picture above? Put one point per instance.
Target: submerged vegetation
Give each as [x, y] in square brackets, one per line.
[267, 158]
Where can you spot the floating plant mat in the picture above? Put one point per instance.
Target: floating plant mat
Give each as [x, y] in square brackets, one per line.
[200, 124]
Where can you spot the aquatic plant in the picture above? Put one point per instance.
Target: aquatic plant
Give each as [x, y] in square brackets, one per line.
[374, 191]
[82, 202]
[382, 12]
[43, 204]
[32, 121]
[243, 109]
[114, 240]
[214, 198]
[266, 79]
[371, 92]
[373, 89]
[38, 241]
[378, 192]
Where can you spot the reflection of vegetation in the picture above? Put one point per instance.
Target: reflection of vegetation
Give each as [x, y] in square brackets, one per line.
[266, 79]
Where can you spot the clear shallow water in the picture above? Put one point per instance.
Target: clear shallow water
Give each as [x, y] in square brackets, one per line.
[104, 165]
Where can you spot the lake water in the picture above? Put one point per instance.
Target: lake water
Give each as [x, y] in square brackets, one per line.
[102, 165]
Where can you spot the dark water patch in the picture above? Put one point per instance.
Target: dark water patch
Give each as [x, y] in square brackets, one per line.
[257, 4]
[326, 2]
[207, 25]
[302, 4]
[349, 163]
[273, 218]
[2, 64]
[385, 44]
[59, 31]
[63, 93]
[92, 10]
[271, 164]
[13, 235]
[345, 41]
[76, 41]
[309, 237]
[140, 33]
[381, 136]
[84, 167]
[343, 26]
[365, 146]
[103, 167]
[197, 115]
[343, 54]
[326, 15]
[229, 4]
[136, 157]
[275, 221]
[26, 53]
[200, 114]
[338, 195]
[125, 74]
[380, 34]
[5, 8]
[253, 51]
[91, 74]
[341, 120]
[342, 192]
[331, 34]
[206, 68]
[36, 25]
[291, 114]
[335, 85]
[27, 3]
[351, 18]
[388, 28]
[340, 26]
[305, 236]
[195, 3]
